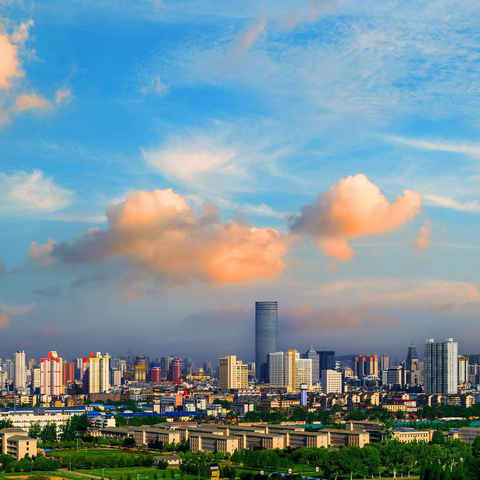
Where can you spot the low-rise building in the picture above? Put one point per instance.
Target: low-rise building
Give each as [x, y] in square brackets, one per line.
[407, 435]
[17, 443]
[212, 443]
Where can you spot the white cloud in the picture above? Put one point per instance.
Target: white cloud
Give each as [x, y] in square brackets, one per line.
[23, 192]
[154, 86]
[440, 146]
[446, 202]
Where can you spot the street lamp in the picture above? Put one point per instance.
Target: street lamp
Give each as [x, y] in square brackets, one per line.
[103, 472]
[70, 467]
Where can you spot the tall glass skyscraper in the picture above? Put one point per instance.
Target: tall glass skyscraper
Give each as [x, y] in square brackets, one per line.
[266, 336]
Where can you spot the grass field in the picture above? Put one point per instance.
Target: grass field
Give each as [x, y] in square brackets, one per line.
[137, 472]
[61, 475]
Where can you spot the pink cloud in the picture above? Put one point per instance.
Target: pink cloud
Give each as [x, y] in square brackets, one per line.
[159, 232]
[424, 236]
[31, 101]
[352, 208]
[4, 320]
[9, 63]
[41, 253]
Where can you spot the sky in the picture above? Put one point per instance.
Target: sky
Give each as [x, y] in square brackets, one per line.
[166, 163]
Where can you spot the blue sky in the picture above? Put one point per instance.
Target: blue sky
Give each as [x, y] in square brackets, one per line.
[258, 107]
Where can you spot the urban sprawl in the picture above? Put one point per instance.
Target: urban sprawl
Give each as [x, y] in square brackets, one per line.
[306, 409]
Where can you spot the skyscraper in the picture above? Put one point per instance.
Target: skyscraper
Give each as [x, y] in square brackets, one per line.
[441, 367]
[289, 370]
[326, 360]
[462, 369]
[315, 358]
[176, 371]
[266, 336]
[20, 374]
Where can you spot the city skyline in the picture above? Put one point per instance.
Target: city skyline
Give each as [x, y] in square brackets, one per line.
[166, 164]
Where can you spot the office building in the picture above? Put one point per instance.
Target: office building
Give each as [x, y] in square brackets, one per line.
[463, 369]
[365, 365]
[266, 336]
[289, 370]
[98, 373]
[394, 376]
[384, 362]
[232, 373]
[20, 371]
[326, 360]
[165, 363]
[331, 381]
[315, 358]
[441, 367]
[176, 371]
[51, 375]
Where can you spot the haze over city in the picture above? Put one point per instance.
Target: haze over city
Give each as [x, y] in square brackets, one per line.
[166, 164]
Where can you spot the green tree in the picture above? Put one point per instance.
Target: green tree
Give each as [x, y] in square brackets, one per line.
[34, 430]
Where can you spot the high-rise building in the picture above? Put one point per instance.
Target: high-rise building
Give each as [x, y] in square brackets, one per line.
[68, 373]
[208, 369]
[8, 368]
[266, 336]
[441, 367]
[463, 369]
[98, 373]
[232, 373]
[331, 381]
[315, 358]
[31, 363]
[36, 380]
[51, 375]
[303, 371]
[20, 374]
[165, 363]
[414, 367]
[326, 360]
[289, 370]
[365, 365]
[384, 362]
[141, 369]
[156, 373]
[176, 371]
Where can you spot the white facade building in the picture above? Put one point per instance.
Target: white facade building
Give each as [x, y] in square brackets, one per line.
[51, 375]
[19, 371]
[441, 367]
[331, 381]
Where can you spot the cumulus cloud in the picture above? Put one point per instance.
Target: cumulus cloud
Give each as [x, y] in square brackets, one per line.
[23, 192]
[9, 62]
[424, 236]
[41, 253]
[31, 101]
[352, 208]
[158, 232]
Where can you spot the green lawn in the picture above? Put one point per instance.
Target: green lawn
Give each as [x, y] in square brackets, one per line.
[19, 475]
[143, 472]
